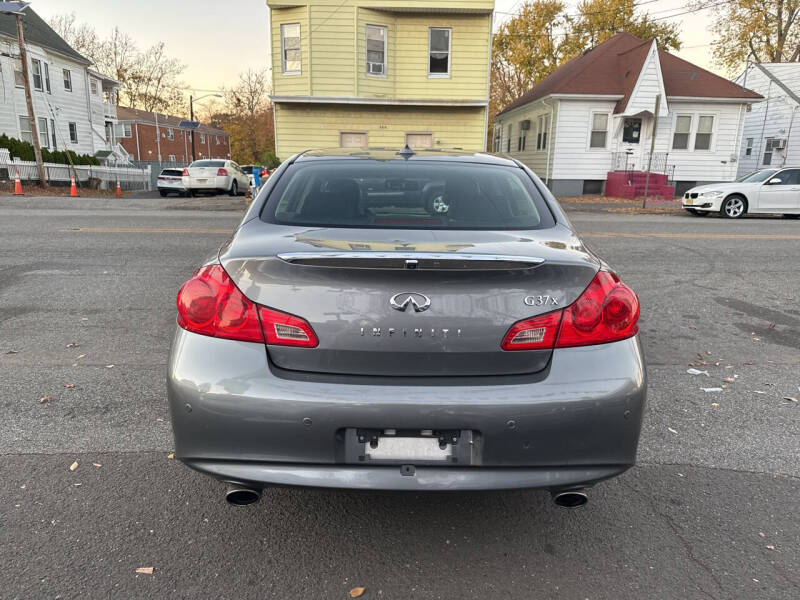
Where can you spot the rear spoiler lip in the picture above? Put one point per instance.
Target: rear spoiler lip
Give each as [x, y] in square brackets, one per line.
[411, 260]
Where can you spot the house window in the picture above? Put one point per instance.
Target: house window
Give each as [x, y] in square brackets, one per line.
[498, 134]
[599, 133]
[171, 158]
[93, 87]
[216, 139]
[25, 130]
[47, 78]
[748, 150]
[376, 50]
[508, 139]
[523, 133]
[352, 139]
[123, 130]
[53, 134]
[768, 148]
[19, 77]
[683, 127]
[290, 48]
[73, 133]
[170, 134]
[37, 74]
[702, 139]
[631, 131]
[44, 138]
[543, 124]
[439, 52]
[419, 140]
[67, 80]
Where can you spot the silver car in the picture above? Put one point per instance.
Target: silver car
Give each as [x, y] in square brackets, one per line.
[406, 321]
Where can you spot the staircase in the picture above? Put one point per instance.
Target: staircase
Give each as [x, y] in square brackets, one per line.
[631, 184]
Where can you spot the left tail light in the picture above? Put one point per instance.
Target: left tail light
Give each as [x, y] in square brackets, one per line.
[222, 172]
[211, 304]
[606, 311]
[185, 173]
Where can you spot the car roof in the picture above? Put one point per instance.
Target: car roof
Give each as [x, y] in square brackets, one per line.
[436, 154]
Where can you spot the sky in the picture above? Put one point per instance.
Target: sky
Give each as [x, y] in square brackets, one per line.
[217, 41]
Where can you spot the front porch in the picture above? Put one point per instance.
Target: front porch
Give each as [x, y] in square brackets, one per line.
[624, 180]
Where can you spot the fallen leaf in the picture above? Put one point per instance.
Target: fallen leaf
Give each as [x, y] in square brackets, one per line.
[692, 327]
[708, 352]
[73, 466]
[109, 366]
[98, 465]
[758, 392]
[145, 570]
[729, 379]
[73, 345]
[772, 325]
[69, 386]
[770, 547]
[715, 404]
[84, 318]
[13, 352]
[671, 430]
[357, 592]
[712, 389]
[171, 455]
[761, 533]
[45, 399]
[790, 399]
[81, 356]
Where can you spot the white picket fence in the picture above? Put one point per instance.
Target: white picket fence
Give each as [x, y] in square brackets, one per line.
[106, 178]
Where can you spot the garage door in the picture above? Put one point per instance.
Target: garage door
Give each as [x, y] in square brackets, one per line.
[419, 140]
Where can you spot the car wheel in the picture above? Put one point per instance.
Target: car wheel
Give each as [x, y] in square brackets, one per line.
[733, 207]
[234, 191]
[163, 193]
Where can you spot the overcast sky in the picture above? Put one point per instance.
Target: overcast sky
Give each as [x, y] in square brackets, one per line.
[216, 41]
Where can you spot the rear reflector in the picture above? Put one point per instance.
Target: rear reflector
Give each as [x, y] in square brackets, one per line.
[211, 304]
[606, 311]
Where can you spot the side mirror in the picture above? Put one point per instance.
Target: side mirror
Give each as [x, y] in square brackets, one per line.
[774, 181]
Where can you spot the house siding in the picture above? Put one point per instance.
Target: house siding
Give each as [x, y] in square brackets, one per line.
[572, 157]
[648, 86]
[778, 116]
[304, 126]
[536, 160]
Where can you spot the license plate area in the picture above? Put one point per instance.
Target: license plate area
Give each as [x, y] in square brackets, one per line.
[410, 447]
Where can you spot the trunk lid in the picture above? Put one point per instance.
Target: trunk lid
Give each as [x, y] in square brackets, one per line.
[408, 302]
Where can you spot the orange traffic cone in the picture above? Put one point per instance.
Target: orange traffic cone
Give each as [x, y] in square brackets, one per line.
[17, 185]
[119, 191]
[73, 191]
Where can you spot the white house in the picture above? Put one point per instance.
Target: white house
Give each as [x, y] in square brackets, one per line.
[587, 127]
[771, 135]
[75, 107]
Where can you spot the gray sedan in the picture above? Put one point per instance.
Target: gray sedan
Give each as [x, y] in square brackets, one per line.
[406, 321]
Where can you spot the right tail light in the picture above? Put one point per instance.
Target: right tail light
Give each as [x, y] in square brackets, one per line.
[606, 311]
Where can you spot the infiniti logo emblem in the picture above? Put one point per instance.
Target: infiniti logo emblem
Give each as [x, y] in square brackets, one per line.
[420, 302]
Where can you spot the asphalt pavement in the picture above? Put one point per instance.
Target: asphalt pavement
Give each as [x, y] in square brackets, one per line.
[87, 290]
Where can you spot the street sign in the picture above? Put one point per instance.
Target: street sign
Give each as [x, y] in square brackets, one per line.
[189, 124]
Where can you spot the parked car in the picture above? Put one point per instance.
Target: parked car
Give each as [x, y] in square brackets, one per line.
[215, 176]
[170, 181]
[427, 321]
[249, 169]
[765, 191]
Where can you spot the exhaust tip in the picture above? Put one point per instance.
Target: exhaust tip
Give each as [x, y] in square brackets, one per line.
[570, 499]
[238, 495]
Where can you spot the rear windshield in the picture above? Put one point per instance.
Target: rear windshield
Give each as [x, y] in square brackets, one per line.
[407, 195]
[177, 172]
[208, 163]
[248, 169]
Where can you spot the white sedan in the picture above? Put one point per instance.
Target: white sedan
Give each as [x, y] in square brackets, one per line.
[765, 191]
[215, 176]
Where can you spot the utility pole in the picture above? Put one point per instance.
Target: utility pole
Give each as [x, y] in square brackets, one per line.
[652, 147]
[37, 150]
[191, 118]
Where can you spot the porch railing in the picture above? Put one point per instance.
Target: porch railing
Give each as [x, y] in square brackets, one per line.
[627, 161]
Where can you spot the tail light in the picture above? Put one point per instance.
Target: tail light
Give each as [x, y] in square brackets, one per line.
[222, 172]
[211, 304]
[185, 173]
[606, 311]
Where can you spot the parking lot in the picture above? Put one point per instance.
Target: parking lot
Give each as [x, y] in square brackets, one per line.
[87, 290]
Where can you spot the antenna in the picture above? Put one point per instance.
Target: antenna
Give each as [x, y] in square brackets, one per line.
[406, 152]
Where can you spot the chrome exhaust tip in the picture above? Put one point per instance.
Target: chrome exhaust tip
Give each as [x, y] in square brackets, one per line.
[569, 498]
[239, 495]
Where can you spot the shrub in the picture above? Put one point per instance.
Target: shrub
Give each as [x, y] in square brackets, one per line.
[24, 150]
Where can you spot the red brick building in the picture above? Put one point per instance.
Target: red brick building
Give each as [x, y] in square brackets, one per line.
[155, 137]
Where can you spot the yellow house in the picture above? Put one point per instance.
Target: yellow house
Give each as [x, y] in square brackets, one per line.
[380, 73]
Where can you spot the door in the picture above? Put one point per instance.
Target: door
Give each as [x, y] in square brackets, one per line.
[781, 192]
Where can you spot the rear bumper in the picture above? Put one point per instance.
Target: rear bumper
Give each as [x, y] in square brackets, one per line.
[207, 183]
[237, 420]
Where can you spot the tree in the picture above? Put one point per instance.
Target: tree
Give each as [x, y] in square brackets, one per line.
[757, 30]
[149, 80]
[598, 20]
